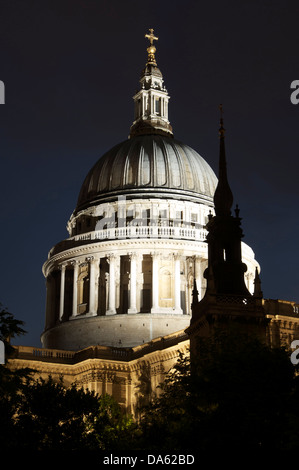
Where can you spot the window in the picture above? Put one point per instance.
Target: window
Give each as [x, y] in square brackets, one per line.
[138, 108]
[163, 213]
[158, 106]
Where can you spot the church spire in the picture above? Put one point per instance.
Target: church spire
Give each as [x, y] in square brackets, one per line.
[223, 197]
[151, 101]
[227, 300]
[225, 272]
[257, 285]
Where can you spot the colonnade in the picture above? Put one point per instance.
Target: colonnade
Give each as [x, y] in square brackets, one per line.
[110, 264]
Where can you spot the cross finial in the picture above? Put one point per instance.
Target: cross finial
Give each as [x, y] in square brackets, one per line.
[151, 37]
[151, 49]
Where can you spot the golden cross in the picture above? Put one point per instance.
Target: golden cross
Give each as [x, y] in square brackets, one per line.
[151, 36]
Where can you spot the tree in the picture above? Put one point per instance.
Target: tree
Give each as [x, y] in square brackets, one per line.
[52, 417]
[112, 427]
[239, 393]
[165, 424]
[11, 382]
[39, 414]
[9, 328]
[246, 386]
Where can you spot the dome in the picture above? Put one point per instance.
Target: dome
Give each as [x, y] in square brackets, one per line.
[148, 165]
[137, 237]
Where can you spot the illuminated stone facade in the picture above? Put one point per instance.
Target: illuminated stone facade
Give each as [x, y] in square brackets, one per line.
[130, 375]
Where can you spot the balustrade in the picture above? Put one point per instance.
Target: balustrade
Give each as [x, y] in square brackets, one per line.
[149, 231]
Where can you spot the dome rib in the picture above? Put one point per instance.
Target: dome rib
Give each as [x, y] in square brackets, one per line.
[148, 164]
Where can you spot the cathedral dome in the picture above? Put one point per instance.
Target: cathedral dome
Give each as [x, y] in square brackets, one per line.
[137, 237]
[150, 165]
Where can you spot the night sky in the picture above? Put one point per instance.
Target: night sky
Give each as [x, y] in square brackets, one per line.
[70, 70]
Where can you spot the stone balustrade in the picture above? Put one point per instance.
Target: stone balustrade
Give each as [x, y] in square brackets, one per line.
[155, 231]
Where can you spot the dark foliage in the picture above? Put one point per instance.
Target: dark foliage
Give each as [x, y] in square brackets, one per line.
[49, 417]
[44, 415]
[241, 394]
[9, 328]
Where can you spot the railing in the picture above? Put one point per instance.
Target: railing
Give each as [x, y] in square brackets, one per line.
[97, 352]
[186, 233]
[41, 354]
[53, 353]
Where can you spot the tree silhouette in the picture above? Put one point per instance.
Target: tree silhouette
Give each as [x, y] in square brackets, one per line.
[43, 415]
[51, 417]
[11, 382]
[239, 393]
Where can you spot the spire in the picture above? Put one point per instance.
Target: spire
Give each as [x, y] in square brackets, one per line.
[257, 285]
[151, 101]
[194, 295]
[227, 297]
[225, 272]
[223, 197]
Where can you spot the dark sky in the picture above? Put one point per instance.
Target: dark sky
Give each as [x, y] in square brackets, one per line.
[70, 69]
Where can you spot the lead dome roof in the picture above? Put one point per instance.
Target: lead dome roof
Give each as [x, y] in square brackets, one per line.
[151, 163]
[148, 166]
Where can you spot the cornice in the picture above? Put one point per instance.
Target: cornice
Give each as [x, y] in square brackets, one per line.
[102, 247]
[152, 359]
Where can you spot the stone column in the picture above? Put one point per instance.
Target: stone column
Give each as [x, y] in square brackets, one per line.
[92, 285]
[177, 284]
[133, 282]
[62, 288]
[139, 281]
[97, 285]
[111, 303]
[75, 289]
[155, 283]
